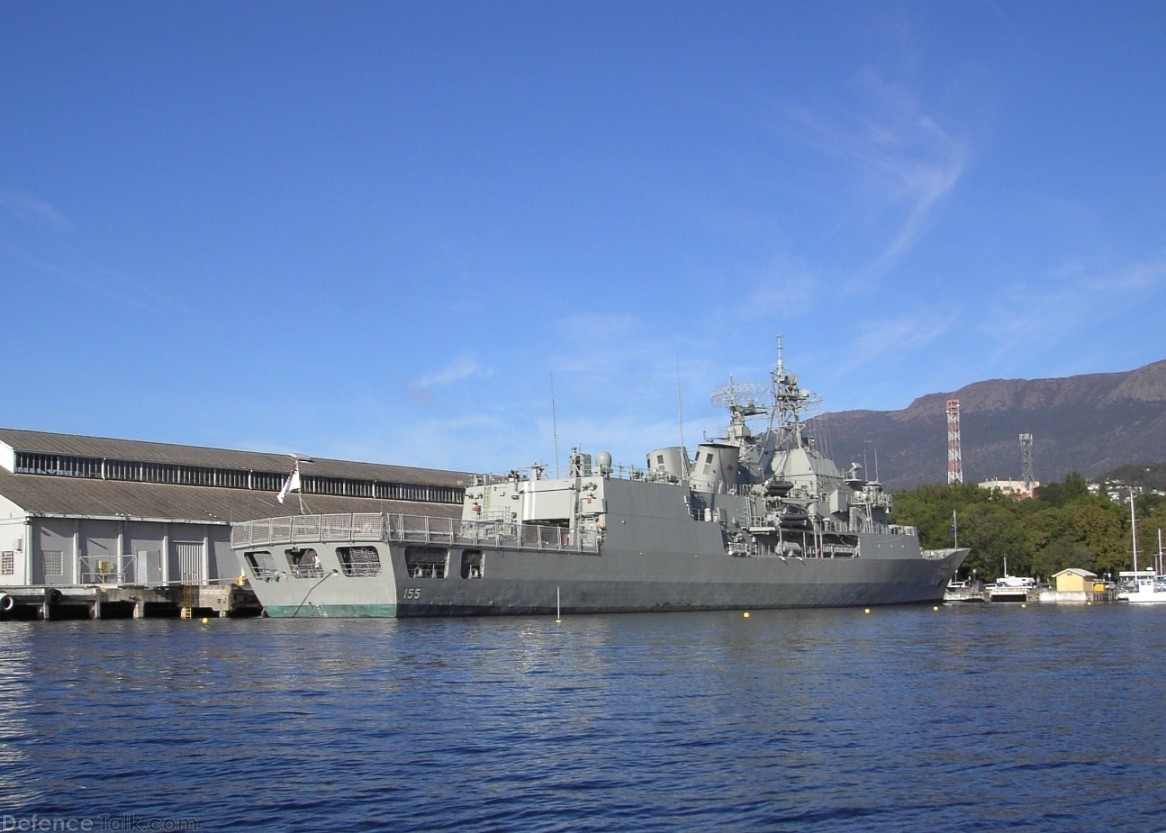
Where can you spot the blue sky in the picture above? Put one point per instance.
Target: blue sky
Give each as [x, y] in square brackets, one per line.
[471, 235]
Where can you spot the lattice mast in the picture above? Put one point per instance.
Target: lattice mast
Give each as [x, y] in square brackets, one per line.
[1026, 461]
[955, 463]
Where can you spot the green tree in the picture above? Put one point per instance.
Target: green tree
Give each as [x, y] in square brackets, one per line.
[1065, 526]
[994, 533]
[1061, 554]
[930, 509]
[1044, 525]
[1058, 494]
[1101, 527]
[1151, 511]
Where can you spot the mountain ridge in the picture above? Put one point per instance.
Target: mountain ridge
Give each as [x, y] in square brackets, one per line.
[1089, 424]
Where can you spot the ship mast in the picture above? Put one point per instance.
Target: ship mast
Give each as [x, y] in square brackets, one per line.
[788, 403]
[784, 430]
[1134, 530]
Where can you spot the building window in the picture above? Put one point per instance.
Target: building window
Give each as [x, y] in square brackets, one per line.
[7, 563]
[178, 474]
[54, 563]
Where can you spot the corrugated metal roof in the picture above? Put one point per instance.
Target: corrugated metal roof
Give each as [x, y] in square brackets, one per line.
[43, 442]
[56, 495]
[48, 495]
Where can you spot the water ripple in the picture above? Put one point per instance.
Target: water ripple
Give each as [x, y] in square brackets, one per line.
[903, 720]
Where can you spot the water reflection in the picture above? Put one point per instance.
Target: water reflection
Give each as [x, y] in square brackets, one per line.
[17, 786]
[906, 718]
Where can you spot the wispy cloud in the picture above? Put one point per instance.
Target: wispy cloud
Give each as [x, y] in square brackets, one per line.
[32, 211]
[463, 367]
[55, 252]
[1128, 278]
[901, 160]
[458, 370]
[885, 340]
[1051, 312]
[632, 360]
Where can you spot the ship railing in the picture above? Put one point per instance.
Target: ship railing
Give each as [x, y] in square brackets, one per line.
[429, 530]
[842, 527]
[373, 526]
[616, 472]
[360, 526]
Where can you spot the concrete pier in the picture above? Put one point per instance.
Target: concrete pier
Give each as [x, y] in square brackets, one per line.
[125, 602]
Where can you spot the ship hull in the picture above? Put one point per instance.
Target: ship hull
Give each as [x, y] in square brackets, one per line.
[515, 581]
[748, 521]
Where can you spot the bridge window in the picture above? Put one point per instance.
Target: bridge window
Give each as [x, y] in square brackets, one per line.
[471, 563]
[359, 561]
[262, 564]
[426, 562]
[304, 563]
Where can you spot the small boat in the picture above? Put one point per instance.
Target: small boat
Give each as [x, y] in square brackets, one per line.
[1016, 581]
[965, 590]
[1141, 586]
[1009, 588]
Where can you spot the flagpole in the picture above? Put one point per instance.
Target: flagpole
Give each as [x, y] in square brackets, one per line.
[294, 483]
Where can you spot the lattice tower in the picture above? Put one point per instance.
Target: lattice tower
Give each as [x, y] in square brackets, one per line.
[1026, 461]
[955, 463]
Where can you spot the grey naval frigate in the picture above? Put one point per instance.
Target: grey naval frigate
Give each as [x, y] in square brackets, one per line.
[758, 518]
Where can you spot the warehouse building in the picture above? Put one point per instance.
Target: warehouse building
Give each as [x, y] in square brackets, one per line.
[78, 511]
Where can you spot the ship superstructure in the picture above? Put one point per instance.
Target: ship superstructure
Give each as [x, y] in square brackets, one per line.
[754, 519]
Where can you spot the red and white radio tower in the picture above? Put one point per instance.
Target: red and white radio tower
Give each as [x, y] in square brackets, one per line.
[955, 463]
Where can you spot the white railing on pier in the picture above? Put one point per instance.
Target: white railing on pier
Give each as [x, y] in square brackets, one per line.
[371, 526]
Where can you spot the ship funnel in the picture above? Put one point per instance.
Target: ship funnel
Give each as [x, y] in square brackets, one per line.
[715, 467]
[668, 463]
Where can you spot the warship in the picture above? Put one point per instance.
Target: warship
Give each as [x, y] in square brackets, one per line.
[759, 518]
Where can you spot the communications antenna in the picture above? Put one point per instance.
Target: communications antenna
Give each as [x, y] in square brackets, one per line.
[955, 463]
[1026, 461]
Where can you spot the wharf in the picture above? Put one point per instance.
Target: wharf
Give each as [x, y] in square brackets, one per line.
[1004, 593]
[127, 602]
[980, 592]
[998, 595]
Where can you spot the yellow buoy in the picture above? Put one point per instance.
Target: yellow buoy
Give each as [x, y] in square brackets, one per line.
[746, 614]
[867, 610]
[936, 607]
[205, 620]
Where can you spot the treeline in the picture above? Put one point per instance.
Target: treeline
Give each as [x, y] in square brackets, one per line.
[1064, 525]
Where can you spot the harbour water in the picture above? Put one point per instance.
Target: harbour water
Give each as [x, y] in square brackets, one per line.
[1002, 717]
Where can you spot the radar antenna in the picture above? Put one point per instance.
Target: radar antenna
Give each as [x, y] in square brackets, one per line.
[742, 395]
[741, 398]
